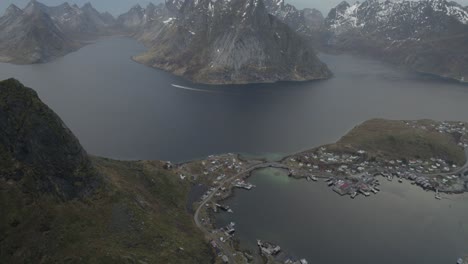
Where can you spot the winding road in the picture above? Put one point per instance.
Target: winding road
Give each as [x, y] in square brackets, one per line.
[226, 250]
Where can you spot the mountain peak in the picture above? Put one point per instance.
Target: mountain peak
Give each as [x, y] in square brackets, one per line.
[344, 5]
[231, 42]
[37, 150]
[88, 6]
[13, 10]
[33, 7]
[137, 7]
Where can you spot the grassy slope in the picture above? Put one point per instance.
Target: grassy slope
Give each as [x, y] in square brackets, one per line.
[396, 140]
[138, 215]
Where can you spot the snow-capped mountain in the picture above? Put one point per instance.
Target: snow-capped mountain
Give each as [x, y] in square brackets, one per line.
[306, 21]
[227, 41]
[397, 19]
[427, 35]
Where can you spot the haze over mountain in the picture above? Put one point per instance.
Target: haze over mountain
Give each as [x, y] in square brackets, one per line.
[429, 36]
[39, 33]
[31, 36]
[220, 43]
[200, 42]
[117, 7]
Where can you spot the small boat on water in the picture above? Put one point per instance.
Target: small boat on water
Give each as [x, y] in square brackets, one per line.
[353, 195]
[460, 261]
[314, 178]
[308, 178]
[400, 180]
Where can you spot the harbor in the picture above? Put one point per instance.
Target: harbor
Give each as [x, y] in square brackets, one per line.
[353, 172]
[308, 220]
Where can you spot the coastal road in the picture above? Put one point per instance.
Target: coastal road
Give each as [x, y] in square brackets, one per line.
[226, 250]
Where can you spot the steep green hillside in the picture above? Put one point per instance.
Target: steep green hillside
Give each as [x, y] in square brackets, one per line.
[61, 206]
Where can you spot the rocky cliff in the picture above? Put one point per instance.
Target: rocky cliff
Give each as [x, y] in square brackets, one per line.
[227, 42]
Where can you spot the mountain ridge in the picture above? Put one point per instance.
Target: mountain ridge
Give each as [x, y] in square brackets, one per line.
[222, 42]
[40, 33]
[428, 36]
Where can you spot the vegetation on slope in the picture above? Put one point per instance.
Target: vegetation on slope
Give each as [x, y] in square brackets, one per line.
[60, 206]
[397, 140]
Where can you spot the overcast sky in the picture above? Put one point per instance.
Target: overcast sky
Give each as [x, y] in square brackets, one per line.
[120, 6]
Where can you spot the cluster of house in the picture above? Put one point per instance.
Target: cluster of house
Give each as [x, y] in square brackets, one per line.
[220, 254]
[353, 174]
[242, 184]
[271, 250]
[445, 127]
[222, 163]
[363, 184]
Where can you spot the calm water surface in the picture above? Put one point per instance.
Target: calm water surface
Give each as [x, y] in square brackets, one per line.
[121, 109]
[402, 224]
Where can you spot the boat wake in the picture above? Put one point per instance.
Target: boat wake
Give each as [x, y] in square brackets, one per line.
[193, 89]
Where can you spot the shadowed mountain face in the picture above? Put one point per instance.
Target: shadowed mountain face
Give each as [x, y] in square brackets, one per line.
[37, 149]
[61, 206]
[429, 36]
[224, 42]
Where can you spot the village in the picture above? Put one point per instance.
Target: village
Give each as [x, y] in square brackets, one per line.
[346, 173]
[356, 174]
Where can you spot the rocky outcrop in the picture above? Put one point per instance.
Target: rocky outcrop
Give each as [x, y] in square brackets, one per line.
[37, 150]
[227, 42]
[429, 36]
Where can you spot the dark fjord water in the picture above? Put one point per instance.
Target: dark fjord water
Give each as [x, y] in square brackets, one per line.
[122, 109]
